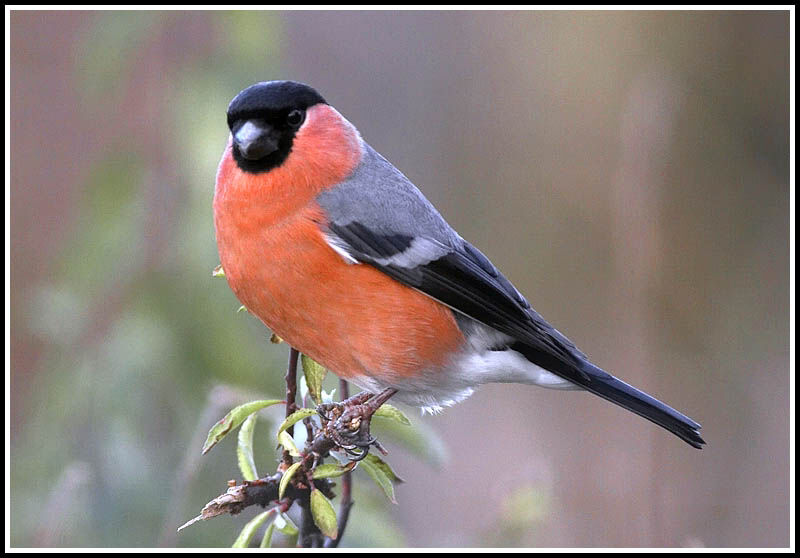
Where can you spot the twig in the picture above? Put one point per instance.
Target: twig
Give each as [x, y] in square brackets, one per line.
[310, 535]
[347, 486]
[264, 491]
[261, 492]
[291, 396]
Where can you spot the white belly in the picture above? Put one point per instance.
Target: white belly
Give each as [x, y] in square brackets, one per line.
[474, 365]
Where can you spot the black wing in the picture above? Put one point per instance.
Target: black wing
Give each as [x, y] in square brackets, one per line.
[466, 281]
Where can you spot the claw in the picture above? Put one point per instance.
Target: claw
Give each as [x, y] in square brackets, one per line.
[322, 413]
[359, 456]
[324, 410]
[347, 422]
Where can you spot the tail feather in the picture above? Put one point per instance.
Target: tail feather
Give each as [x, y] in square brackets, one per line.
[593, 379]
[607, 386]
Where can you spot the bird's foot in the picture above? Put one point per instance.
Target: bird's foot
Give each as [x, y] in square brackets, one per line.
[347, 422]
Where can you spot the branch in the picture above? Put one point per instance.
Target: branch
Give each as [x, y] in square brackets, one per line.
[347, 486]
[291, 396]
[310, 535]
[262, 492]
[337, 427]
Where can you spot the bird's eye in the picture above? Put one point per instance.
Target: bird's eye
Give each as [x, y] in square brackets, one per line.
[295, 118]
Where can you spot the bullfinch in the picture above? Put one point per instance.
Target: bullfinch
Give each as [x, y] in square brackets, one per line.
[337, 252]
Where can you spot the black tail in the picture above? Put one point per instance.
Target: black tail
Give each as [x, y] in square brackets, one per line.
[600, 382]
[607, 386]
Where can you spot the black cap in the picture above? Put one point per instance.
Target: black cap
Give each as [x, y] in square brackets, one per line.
[272, 97]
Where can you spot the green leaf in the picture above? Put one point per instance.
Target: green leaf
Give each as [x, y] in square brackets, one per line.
[266, 540]
[244, 449]
[324, 515]
[382, 474]
[331, 470]
[315, 374]
[285, 525]
[288, 444]
[234, 419]
[421, 440]
[249, 530]
[218, 271]
[241, 309]
[296, 417]
[287, 476]
[393, 413]
[384, 467]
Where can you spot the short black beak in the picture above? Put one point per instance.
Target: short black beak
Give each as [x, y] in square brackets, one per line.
[255, 139]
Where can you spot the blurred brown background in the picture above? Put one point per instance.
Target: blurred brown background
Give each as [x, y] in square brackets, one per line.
[628, 171]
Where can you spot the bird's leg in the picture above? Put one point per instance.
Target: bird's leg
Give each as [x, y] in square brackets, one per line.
[347, 422]
[325, 409]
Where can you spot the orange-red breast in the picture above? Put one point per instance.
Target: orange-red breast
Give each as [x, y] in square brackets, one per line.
[338, 253]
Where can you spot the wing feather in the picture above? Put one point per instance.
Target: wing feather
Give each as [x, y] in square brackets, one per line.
[467, 282]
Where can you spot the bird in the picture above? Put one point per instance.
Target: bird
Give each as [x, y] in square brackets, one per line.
[342, 256]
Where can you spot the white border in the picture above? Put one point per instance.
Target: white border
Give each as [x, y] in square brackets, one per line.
[282, 7]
